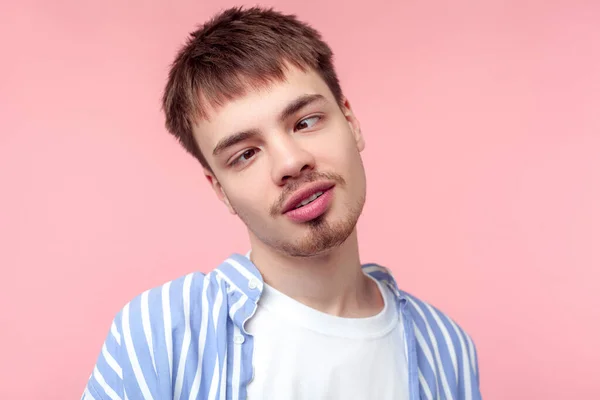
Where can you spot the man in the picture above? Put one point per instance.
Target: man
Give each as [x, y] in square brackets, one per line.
[253, 95]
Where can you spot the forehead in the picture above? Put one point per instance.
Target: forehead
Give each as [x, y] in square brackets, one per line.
[259, 105]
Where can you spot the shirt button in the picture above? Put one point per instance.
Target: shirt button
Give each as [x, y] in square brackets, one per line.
[238, 339]
[253, 284]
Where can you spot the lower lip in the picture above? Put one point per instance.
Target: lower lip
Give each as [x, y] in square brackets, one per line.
[312, 210]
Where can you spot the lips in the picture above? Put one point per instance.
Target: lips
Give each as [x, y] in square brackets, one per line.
[304, 194]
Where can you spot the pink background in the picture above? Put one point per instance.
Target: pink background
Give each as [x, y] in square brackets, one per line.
[483, 157]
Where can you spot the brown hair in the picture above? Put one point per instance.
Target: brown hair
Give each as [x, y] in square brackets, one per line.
[238, 48]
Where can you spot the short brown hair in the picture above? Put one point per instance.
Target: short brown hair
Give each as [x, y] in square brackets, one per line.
[238, 48]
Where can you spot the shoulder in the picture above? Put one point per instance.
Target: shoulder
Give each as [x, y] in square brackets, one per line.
[168, 305]
[178, 303]
[436, 326]
[426, 316]
[146, 337]
[445, 346]
[438, 336]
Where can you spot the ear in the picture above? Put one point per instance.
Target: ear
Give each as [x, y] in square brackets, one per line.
[354, 124]
[214, 182]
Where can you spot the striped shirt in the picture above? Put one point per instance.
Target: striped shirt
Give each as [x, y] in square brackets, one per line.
[186, 340]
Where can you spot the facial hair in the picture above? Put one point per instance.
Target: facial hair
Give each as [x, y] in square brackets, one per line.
[323, 234]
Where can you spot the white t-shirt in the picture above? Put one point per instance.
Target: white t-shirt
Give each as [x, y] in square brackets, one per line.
[303, 354]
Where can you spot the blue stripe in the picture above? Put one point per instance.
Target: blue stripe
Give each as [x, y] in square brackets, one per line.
[140, 344]
[230, 344]
[413, 373]
[215, 335]
[157, 319]
[474, 376]
[443, 349]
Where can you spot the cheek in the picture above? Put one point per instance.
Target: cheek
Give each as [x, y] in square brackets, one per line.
[340, 152]
[248, 197]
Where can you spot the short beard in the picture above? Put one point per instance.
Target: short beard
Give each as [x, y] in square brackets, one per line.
[323, 235]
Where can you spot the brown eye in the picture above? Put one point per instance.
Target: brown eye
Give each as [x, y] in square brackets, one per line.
[248, 154]
[244, 157]
[307, 123]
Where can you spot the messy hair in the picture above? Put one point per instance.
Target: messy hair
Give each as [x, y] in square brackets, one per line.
[238, 49]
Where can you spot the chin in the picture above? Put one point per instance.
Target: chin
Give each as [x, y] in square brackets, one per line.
[323, 234]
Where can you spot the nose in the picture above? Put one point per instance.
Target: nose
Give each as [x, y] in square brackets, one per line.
[290, 161]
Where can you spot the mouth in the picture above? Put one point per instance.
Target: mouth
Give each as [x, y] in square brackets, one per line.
[306, 195]
[310, 202]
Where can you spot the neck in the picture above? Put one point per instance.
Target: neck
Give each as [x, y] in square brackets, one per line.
[332, 282]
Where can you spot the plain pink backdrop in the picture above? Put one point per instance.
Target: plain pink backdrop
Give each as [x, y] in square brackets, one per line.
[482, 122]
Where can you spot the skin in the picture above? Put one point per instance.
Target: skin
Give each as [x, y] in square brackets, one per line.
[259, 155]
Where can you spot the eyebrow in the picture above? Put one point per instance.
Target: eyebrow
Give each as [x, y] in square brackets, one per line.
[299, 104]
[233, 140]
[292, 108]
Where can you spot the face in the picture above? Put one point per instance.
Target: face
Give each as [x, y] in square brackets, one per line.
[286, 160]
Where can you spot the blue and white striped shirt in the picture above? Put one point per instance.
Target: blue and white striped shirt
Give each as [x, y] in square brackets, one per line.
[186, 340]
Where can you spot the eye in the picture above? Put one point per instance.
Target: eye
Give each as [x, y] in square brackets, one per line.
[307, 123]
[244, 157]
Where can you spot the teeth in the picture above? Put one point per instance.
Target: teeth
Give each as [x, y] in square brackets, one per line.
[310, 199]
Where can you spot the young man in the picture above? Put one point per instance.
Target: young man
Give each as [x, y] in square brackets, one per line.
[254, 97]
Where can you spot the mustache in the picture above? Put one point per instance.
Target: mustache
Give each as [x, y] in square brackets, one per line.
[292, 185]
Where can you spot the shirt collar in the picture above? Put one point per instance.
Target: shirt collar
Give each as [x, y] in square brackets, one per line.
[242, 276]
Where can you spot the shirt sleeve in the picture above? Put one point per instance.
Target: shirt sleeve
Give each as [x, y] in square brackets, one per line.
[106, 380]
[475, 368]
